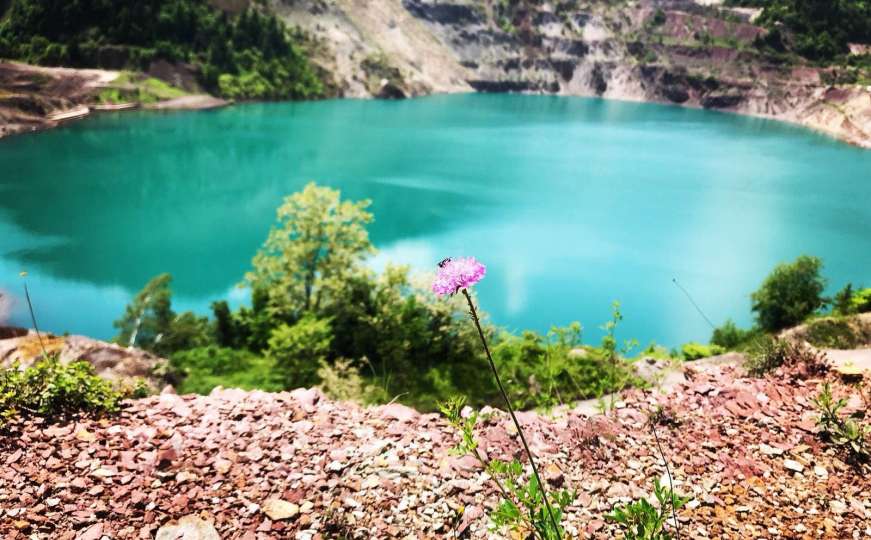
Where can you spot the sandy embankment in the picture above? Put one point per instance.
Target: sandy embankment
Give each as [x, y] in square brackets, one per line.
[33, 98]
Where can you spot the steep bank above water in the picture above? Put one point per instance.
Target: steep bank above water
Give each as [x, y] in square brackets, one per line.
[679, 52]
[33, 98]
[690, 53]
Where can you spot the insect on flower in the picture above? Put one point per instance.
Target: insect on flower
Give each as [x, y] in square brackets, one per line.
[455, 274]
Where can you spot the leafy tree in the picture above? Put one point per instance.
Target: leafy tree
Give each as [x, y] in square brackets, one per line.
[791, 293]
[842, 303]
[317, 247]
[150, 323]
[149, 316]
[252, 52]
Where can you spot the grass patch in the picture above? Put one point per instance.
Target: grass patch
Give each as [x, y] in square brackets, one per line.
[130, 87]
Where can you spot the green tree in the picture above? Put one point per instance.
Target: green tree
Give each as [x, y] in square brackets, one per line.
[842, 303]
[149, 316]
[317, 247]
[791, 293]
[150, 323]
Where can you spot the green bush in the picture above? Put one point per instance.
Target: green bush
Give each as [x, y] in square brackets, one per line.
[640, 520]
[202, 369]
[769, 353]
[844, 433]
[544, 371]
[695, 351]
[298, 350]
[818, 29]
[838, 333]
[849, 301]
[861, 301]
[832, 333]
[730, 337]
[790, 294]
[55, 391]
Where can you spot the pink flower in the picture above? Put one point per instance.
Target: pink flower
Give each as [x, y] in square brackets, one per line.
[456, 274]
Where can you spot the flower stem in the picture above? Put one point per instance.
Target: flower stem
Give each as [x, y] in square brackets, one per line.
[541, 486]
[670, 483]
[33, 318]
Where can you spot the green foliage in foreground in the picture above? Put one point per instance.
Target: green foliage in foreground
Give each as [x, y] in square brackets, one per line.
[792, 292]
[251, 55]
[521, 508]
[640, 520]
[55, 391]
[319, 316]
[845, 433]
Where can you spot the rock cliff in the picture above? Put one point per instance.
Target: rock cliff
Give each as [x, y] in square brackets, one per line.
[671, 51]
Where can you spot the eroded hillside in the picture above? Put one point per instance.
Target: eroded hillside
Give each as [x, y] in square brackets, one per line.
[681, 52]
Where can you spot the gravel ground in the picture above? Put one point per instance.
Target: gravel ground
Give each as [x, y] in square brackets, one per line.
[254, 465]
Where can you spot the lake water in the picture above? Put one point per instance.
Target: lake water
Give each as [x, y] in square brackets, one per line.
[572, 203]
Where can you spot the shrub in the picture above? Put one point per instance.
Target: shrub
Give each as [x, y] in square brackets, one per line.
[729, 336]
[521, 509]
[202, 369]
[791, 293]
[861, 301]
[694, 351]
[342, 381]
[842, 302]
[55, 391]
[641, 520]
[845, 433]
[298, 350]
[835, 333]
[253, 51]
[768, 354]
[544, 371]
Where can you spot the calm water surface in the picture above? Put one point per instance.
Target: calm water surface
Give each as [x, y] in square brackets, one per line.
[572, 203]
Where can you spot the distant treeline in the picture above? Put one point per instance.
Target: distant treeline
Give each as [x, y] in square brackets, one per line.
[251, 55]
[817, 29]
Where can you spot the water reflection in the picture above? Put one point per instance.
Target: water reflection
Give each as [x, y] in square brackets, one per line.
[571, 202]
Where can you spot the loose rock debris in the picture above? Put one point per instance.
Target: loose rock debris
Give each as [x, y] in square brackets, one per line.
[258, 466]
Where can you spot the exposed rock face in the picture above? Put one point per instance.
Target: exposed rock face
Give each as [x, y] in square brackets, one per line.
[32, 97]
[689, 54]
[110, 361]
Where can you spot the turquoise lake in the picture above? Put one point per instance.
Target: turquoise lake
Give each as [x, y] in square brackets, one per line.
[572, 203]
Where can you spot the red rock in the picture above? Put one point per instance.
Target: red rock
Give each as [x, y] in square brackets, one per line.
[399, 412]
[94, 532]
